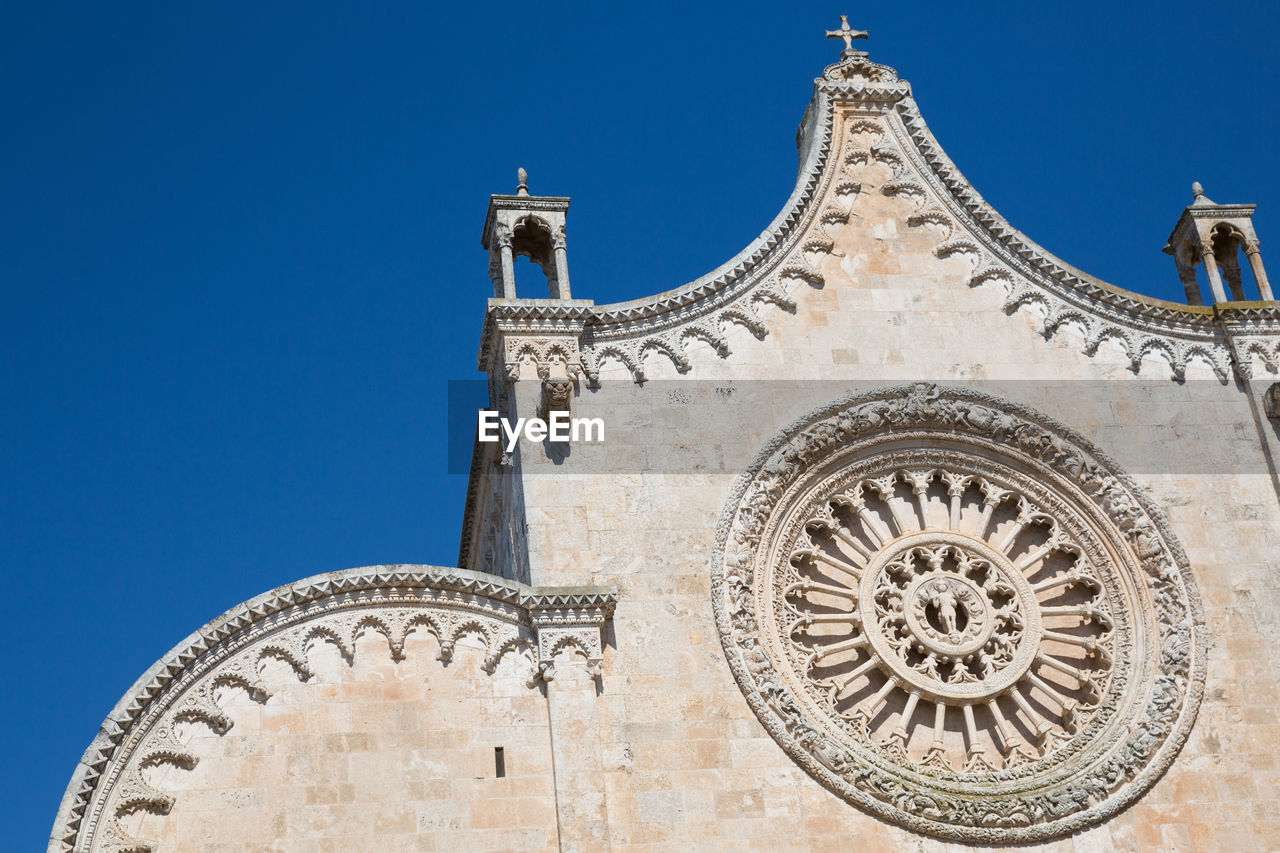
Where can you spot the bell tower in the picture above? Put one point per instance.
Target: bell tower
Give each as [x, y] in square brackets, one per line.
[1215, 234]
[528, 225]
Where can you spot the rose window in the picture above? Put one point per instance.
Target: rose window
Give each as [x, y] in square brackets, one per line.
[940, 588]
[958, 614]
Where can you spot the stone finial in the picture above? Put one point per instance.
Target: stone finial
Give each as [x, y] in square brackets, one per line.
[1199, 198]
[522, 181]
[846, 34]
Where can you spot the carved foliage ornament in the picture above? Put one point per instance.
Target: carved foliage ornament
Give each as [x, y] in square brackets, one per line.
[958, 615]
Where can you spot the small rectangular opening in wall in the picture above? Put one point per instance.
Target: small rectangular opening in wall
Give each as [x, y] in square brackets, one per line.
[499, 762]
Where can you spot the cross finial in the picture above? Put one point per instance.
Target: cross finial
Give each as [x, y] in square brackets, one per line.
[845, 33]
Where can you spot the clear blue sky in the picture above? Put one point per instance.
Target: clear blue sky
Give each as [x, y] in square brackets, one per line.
[240, 259]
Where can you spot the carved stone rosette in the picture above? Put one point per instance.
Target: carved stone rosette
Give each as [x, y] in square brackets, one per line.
[957, 614]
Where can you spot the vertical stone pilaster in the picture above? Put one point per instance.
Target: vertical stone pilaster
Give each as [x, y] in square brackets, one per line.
[582, 815]
[571, 657]
[1252, 331]
[524, 346]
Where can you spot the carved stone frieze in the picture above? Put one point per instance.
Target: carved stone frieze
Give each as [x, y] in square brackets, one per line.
[521, 333]
[545, 354]
[554, 639]
[285, 625]
[959, 615]
[566, 620]
[1253, 332]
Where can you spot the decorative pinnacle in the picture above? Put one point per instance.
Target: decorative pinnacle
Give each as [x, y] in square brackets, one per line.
[847, 34]
[1201, 200]
[522, 178]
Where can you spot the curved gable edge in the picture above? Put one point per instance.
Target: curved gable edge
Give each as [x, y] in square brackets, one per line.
[790, 252]
[392, 600]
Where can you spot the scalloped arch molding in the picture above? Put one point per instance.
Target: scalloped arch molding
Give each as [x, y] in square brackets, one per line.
[506, 617]
[862, 114]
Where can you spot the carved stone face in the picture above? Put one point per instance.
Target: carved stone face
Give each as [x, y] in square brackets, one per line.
[956, 614]
[556, 394]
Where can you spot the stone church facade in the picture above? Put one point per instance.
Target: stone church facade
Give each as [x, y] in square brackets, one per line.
[904, 535]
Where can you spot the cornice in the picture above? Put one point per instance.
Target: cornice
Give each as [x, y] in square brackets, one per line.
[558, 204]
[1261, 314]
[1142, 325]
[1034, 258]
[531, 317]
[1193, 212]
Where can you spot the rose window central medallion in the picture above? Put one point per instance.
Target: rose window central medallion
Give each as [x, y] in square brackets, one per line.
[949, 616]
[948, 620]
[946, 615]
[958, 615]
